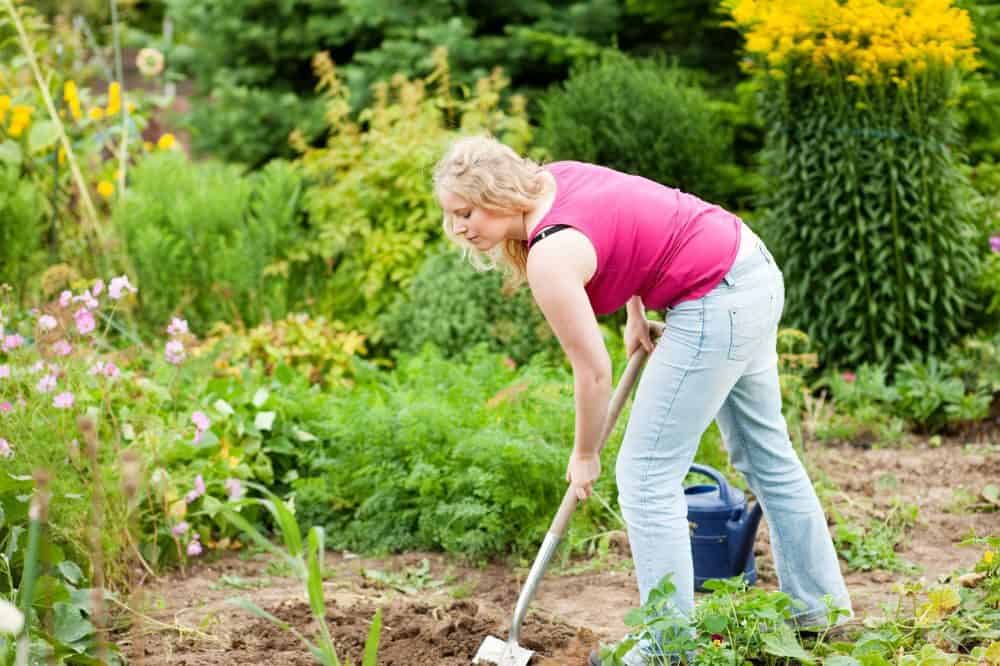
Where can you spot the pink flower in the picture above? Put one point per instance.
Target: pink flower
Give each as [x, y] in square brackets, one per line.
[63, 401]
[84, 321]
[174, 352]
[37, 367]
[46, 384]
[197, 491]
[177, 327]
[180, 528]
[111, 370]
[849, 377]
[62, 348]
[4, 371]
[96, 369]
[194, 548]
[6, 450]
[6, 407]
[47, 322]
[235, 489]
[11, 342]
[201, 421]
[118, 285]
[65, 298]
[995, 243]
[88, 301]
[97, 288]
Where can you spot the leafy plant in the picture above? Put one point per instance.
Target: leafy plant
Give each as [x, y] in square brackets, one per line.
[451, 305]
[866, 207]
[864, 548]
[370, 197]
[306, 561]
[209, 242]
[659, 124]
[320, 350]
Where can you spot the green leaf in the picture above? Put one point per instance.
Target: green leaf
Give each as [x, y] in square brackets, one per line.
[70, 571]
[783, 643]
[70, 625]
[264, 420]
[371, 643]
[841, 660]
[10, 152]
[43, 136]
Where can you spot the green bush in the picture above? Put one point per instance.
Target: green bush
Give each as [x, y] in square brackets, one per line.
[370, 197]
[455, 307]
[250, 58]
[209, 243]
[642, 118]
[870, 219]
[22, 232]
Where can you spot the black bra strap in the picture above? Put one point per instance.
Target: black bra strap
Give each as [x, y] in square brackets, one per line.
[546, 232]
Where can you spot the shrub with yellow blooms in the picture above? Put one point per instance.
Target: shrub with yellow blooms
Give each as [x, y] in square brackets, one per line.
[865, 205]
[863, 41]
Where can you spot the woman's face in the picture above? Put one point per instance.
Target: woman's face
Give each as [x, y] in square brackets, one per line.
[483, 229]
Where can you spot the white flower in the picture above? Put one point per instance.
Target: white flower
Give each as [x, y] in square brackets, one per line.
[11, 619]
[118, 285]
[47, 322]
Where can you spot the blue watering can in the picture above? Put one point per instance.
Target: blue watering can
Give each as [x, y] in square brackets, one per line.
[723, 529]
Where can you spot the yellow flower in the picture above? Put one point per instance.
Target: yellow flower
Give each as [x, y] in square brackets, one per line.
[988, 557]
[61, 156]
[96, 113]
[4, 106]
[70, 92]
[166, 141]
[114, 98]
[105, 189]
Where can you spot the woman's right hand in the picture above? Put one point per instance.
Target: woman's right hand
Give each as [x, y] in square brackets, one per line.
[637, 334]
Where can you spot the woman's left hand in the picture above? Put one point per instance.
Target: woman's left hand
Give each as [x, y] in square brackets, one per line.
[581, 473]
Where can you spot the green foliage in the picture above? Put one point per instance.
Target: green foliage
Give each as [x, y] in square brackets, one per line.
[467, 458]
[957, 622]
[22, 234]
[980, 102]
[210, 243]
[989, 284]
[306, 562]
[870, 218]
[869, 547]
[454, 307]
[370, 197]
[735, 624]
[319, 350]
[931, 396]
[254, 54]
[658, 123]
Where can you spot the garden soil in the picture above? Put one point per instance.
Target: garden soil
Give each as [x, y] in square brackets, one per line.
[437, 610]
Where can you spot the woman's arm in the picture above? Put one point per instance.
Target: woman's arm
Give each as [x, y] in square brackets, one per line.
[557, 272]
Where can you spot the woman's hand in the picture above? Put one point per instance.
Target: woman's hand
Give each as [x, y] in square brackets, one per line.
[581, 473]
[637, 334]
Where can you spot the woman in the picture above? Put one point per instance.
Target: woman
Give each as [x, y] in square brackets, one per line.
[590, 240]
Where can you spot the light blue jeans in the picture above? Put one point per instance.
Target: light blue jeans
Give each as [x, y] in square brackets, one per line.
[717, 359]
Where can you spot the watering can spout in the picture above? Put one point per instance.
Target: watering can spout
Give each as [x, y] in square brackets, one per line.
[742, 532]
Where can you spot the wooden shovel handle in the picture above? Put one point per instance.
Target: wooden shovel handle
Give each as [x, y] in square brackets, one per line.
[618, 399]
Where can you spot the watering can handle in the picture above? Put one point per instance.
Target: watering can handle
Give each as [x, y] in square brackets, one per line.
[716, 476]
[618, 398]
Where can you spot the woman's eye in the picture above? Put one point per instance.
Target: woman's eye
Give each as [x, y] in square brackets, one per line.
[465, 214]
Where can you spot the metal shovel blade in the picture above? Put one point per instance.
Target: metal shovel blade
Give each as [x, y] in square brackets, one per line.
[504, 653]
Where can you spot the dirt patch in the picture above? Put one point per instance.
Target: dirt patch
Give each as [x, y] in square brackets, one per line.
[437, 610]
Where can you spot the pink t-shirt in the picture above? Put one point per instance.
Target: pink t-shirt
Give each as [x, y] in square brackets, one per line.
[651, 240]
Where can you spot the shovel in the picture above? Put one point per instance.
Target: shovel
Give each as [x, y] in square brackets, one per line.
[510, 653]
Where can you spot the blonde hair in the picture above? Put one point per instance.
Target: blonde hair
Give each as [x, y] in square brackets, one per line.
[490, 175]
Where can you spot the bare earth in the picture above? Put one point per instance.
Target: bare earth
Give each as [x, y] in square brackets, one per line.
[440, 615]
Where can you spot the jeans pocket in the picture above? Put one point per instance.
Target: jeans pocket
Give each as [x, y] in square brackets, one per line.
[747, 325]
